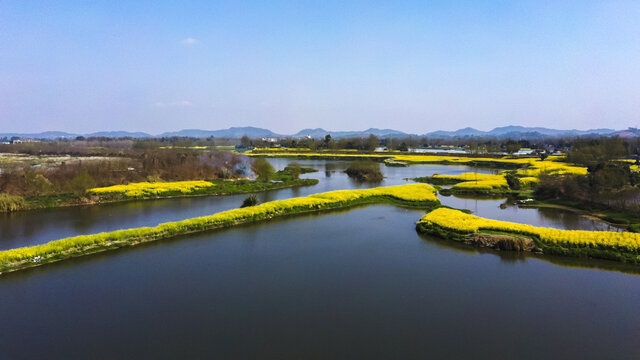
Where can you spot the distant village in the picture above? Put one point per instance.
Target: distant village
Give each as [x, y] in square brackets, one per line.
[17, 140]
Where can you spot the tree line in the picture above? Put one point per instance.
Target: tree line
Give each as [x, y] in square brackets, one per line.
[610, 182]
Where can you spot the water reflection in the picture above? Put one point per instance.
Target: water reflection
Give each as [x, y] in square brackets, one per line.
[36, 227]
[543, 217]
[507, 257]
[512, 257]
[345, 284]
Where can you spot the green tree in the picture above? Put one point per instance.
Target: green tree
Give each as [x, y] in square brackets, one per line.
[263, 169]
[511, 147]
[390, 144]
[295, 170]
[512, 180]
[36, 184]
[328, 142]
[81, 183]
[245, 141]
[591, 152]
[543, 155]
[372, 142]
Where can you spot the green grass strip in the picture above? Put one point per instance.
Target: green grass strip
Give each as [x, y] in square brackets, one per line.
[420, 195]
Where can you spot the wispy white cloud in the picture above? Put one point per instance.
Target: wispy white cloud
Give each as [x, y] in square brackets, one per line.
[190, 41]
[183, 103]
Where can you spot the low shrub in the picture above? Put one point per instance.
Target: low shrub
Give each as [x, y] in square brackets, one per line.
[250, 200]
[365, 170]
[9, 203]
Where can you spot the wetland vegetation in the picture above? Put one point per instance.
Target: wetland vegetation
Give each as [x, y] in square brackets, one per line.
[548, 179]
[417, 195]
[387, 257]
[365, 170]
[52, 181]
[456, 225]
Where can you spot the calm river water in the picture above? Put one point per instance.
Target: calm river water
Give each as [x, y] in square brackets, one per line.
[348, 284]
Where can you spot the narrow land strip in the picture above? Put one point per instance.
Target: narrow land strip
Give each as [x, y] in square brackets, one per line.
[416, 195]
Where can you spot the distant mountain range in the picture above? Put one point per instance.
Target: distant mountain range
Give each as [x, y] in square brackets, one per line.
[233, 132]
[512, 132]
[519, 132]
[321, 133]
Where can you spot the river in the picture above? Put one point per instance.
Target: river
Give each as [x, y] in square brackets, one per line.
[345, 284]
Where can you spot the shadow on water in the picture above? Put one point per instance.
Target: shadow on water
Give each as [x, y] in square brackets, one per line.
[512, 257]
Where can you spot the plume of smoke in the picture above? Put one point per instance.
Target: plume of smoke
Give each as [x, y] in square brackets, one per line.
[228, 163]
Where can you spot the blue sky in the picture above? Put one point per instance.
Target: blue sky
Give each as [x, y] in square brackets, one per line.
[415, 66]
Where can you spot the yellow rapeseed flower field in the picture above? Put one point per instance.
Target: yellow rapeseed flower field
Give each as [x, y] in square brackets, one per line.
[529, 180]
[151, 188]
[538, 167]
[477, 182]
[80, 245]
[484, 182]
[458, 221]
[531, 166]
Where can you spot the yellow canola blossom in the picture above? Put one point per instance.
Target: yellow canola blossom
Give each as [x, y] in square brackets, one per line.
[410, 192]
[282, 149]
[538, 167]
[471, 177]
[531, 166]
[474, 181]
[477, 182]
[80, 245]
[151, 188]
[184, 147]
[407, 158]
[458, 221]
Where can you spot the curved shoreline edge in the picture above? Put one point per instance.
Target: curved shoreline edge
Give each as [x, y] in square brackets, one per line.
[456, 225]
[413, 195]
[62, 201]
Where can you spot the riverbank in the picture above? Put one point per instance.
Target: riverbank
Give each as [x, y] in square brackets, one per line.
[413, 195]
[163, 190]
[501, 235]
[615, 218]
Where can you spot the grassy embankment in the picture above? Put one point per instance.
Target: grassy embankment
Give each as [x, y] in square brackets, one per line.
[415, 195]
[160, 190]
[456, 225]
